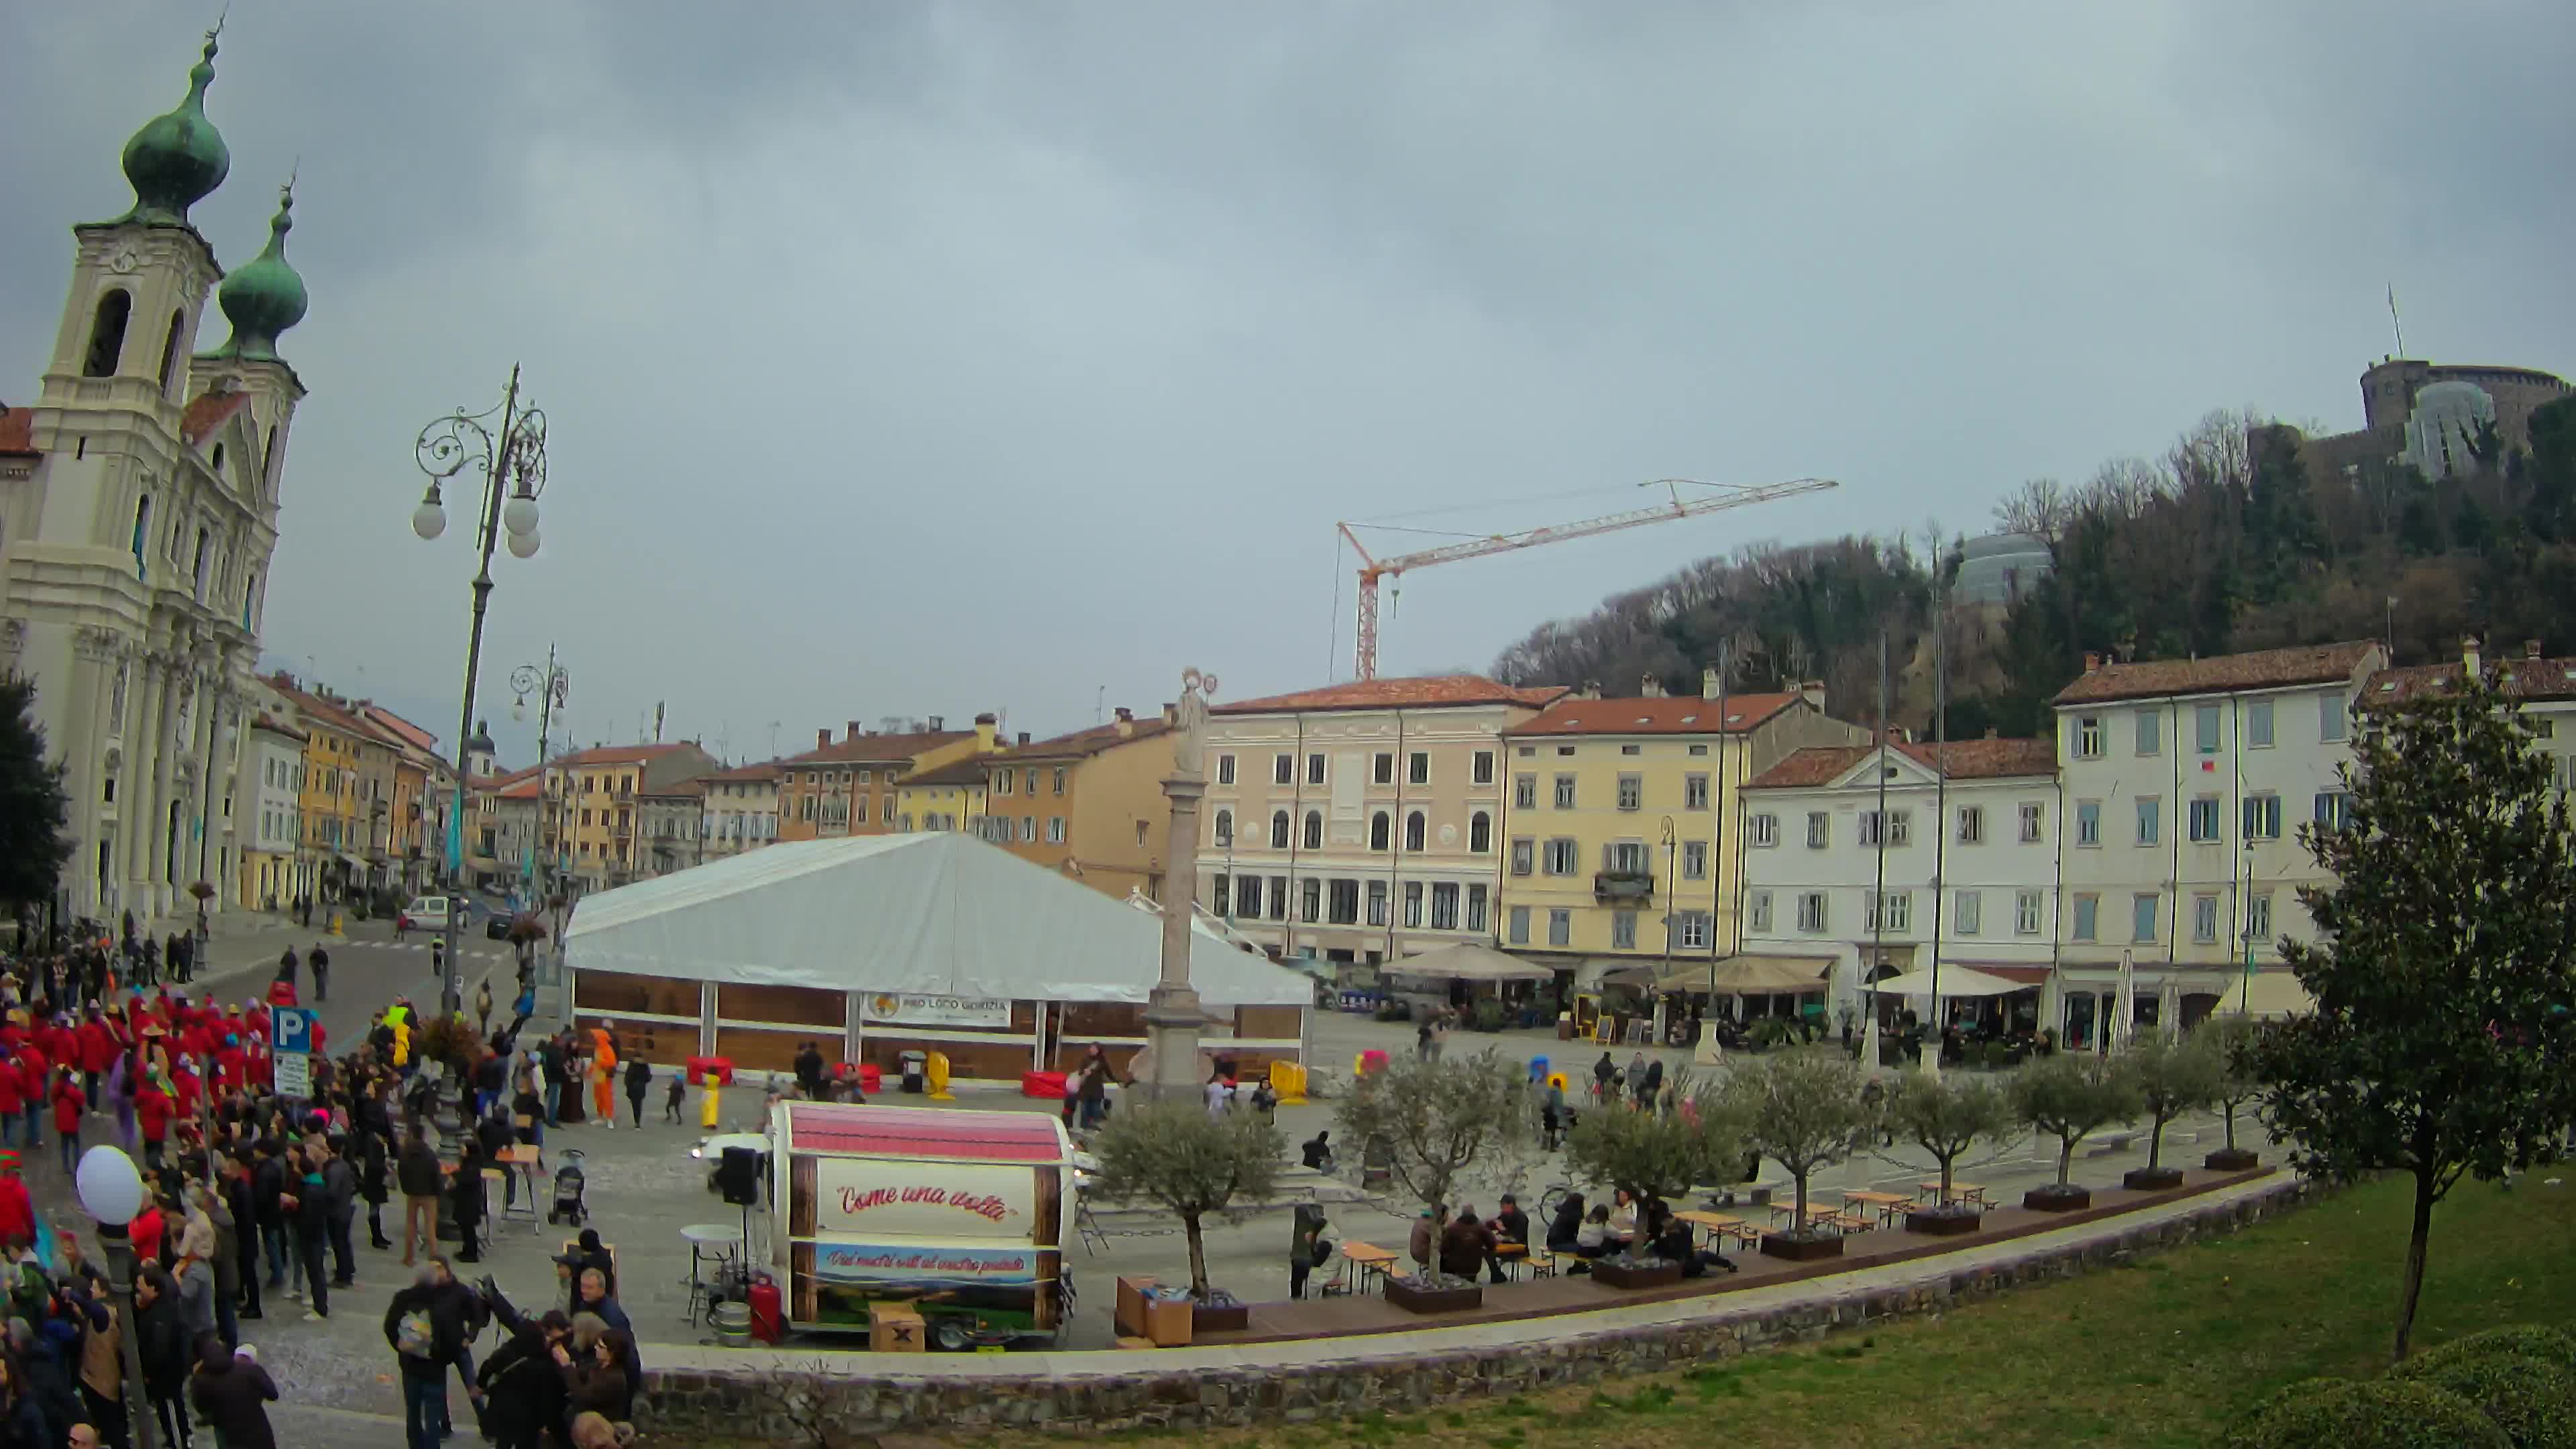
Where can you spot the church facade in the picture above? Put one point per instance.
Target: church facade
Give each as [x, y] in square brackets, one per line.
[139, 500]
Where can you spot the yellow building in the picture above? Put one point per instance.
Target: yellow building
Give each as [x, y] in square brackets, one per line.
[1617, 816]
[946, 797]
[330, 804]
[851, 787]
[1089, 804]
[592, 794]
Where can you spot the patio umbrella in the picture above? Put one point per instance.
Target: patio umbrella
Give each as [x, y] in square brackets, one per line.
[2125, 1006]
[1869, 1026]
[2169, 1010]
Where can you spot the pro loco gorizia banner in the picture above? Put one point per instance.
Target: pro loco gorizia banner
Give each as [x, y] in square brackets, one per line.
[938, 1010]
[860, 1264]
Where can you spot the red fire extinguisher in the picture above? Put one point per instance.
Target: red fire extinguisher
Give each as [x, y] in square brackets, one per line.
[767, 1324]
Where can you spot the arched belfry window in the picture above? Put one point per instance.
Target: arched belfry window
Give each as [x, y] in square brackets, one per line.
[170, 350]
[107, 334]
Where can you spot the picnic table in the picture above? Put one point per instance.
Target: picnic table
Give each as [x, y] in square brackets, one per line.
[1369, 1260]
[1886, 1204]
[1721, 1225]
[1967, 1192]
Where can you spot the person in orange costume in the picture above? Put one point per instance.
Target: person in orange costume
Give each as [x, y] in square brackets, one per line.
[603, 1076]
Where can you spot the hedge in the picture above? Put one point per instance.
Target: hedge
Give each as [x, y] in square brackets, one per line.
[2367, 1414]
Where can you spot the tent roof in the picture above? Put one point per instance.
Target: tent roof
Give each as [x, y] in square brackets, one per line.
[1955, 981]
[1753, 975]
[937, 913]
[1470, 961]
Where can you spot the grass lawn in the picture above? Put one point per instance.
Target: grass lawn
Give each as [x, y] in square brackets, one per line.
[2157, 1354]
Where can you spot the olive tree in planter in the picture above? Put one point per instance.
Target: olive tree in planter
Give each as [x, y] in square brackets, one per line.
[2172, 1077]
[1655, 1155]
[1804, 1111]
[1946, 1116]
[1190, 1164]
[2233, 1084]
[2071, 1097]
[1432, 1119]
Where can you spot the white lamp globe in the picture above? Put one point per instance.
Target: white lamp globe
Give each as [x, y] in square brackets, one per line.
[519, 708]
[524, 545]
[110, 1190]
[429, 520]
[519, 515]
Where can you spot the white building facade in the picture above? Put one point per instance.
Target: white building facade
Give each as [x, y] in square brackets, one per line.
[1290, 852]
[137, 541]
[271, 824]
[2185, 782]
[1959, 860]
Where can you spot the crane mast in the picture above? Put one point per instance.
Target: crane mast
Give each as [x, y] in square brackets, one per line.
[1373, 569]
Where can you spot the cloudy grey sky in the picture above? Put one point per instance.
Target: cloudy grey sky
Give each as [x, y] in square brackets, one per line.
[910, 359]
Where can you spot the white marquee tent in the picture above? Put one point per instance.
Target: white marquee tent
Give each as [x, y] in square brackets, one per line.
[928, 914]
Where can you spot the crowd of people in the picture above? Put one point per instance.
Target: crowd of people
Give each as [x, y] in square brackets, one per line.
[251, 1200]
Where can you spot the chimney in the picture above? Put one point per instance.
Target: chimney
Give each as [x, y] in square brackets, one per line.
[938, 724]
[855, 731]
[1591, 690]
[1126, 722]
[1992, 733]
[2092, 662]
[2469, 653]
[1708, 684]
[1813, 692]
[985, 725]
[1650, 687]
[1171, 715]
[2530, 648]
[1024, 737]
[822, 738]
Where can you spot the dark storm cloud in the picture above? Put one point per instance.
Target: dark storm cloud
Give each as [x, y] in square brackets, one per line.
[919, 359]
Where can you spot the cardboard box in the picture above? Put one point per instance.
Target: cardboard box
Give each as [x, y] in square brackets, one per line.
[894, 1328]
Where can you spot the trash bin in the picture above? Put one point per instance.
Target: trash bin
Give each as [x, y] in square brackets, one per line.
[915, 1070]
[1538, 1069]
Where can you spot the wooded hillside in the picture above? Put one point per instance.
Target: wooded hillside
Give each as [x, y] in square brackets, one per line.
[2227, 542]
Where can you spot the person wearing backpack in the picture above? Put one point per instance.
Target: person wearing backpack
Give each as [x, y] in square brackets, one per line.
[426, 1334]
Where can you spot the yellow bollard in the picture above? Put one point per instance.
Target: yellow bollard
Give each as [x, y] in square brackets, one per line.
[337, 929]
[1288, 1079]
[935, 1069]
[707, 1117]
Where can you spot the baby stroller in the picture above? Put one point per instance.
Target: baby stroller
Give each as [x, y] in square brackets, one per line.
[569, 1179]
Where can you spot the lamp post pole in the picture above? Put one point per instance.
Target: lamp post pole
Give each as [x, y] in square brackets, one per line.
[551, 686]
[1172, 1013]
[111, 1192]
[517, 455]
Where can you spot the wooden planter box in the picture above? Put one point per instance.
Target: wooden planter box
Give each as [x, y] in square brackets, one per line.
[2151, 1179]
[1801, 1249]
[2055, 1199]
[2232, 1159]
[1611, 1273]
[1943, 1223]
[1434, 1300]
[1220, 1317]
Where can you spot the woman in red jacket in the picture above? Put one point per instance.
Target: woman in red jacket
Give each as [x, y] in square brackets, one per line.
[68, 1105]
[13, 1099]
[153, 1110]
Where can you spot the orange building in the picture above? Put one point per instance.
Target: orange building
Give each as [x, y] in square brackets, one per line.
[848, 788]
[1089, 804]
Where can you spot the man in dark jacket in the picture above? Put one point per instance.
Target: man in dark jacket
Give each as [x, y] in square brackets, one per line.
[310, 1200]
[320, 961]
[809, 1071]
[340, 1192]
[522, 1385]
[230, 1391]
[246, 1234]
[164, 1351]
[1465, 1245]
[426, 1329]
[417, 1174]
[267, 1183]
[639, 1076]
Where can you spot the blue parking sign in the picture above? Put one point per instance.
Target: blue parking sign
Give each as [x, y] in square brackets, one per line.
[290, 1029]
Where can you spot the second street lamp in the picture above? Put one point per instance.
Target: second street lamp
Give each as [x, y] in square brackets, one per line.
[513, 463]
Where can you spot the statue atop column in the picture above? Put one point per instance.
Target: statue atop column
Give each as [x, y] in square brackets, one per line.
[1189, 743]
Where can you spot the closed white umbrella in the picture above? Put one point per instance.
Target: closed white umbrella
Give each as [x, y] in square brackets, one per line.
[2169, 1010]
[2125, 1006]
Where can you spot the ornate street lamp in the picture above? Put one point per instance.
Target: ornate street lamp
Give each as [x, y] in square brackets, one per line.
[513, 464]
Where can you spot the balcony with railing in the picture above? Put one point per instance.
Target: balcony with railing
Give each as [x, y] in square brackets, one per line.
[1623, 885]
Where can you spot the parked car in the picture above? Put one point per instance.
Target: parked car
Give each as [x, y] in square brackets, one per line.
[429, 913]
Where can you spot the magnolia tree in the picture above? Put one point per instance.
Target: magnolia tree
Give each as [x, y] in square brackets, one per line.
[1803, 1110]
[2070, 1097]
[1658, 1155]
[1433, 1119]
[2171, 1077]
[2441, 969]
[1947, 1116]
[1189, 1163]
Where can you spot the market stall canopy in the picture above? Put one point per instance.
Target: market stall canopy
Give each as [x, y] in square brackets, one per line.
[1470, 961]
[1750, 976]
[1955, 981]
[934, 913]
[2268, 994]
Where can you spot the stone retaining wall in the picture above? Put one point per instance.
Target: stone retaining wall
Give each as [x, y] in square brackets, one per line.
[779, 1394]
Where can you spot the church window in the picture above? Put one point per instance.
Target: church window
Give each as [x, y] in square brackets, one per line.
[198, 571]
[218, 463]
[142, 521]
[268, 454]
[170, 350]
[107, 334]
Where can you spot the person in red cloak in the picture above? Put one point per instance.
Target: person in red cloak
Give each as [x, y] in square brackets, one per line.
[154, 1109]
[260, 1066]
[97, 1051]
[255, 1022]
[187, 1087]
[230, 1062]
[17, 1210]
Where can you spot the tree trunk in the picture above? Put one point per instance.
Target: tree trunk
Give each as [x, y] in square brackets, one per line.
[2227, 1114]
[1198, 1256]
[2065, 1159]
[1799, 1223]
[2156, 1145]
[1945, 1180]
[2412, 1286]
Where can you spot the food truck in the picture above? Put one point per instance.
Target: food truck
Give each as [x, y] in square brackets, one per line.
[959, 1215]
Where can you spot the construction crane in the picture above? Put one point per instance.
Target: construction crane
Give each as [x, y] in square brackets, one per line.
[1374, 569]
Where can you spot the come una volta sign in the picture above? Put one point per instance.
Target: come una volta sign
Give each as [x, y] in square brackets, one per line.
[879, 1198]
[938, 1010]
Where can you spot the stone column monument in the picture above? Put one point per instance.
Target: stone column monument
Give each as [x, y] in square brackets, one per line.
[1172, 1014]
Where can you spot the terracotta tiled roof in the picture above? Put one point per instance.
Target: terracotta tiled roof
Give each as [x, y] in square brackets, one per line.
[968, 771]
[1083, 744]
[2523, 678]
[2264, 669]
[1960, 759]
[18, 430]
[401, 728]
[208, 412]
[691, 788]
[324, 711]
[1682, 715]
[872, 749]
[276, 727]
[766, 770]
[618, 754]
[528, 787]
[1427, 692]
[501, 781]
